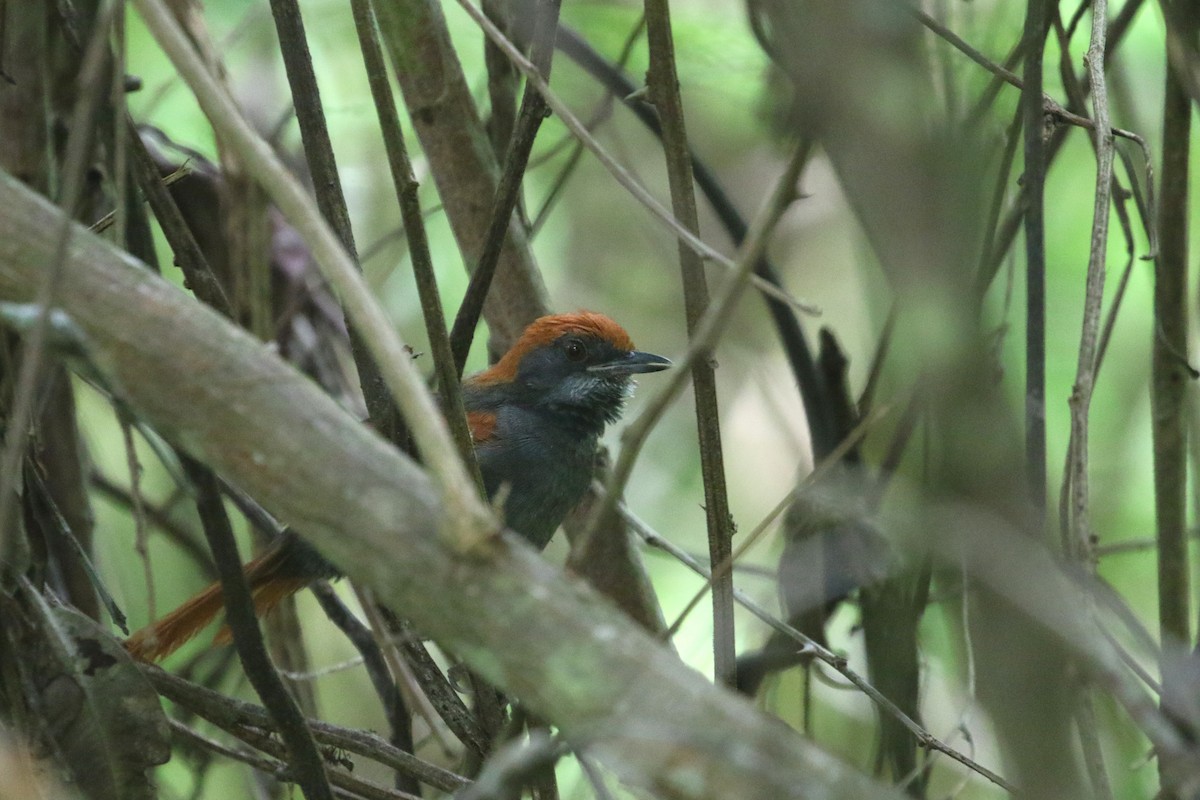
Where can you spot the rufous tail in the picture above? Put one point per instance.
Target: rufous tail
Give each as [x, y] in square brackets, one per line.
[268, 587]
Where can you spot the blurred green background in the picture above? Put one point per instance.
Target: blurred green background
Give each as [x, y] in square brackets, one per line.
[598, 250]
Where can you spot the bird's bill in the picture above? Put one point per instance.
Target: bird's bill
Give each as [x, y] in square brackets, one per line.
[632, 363]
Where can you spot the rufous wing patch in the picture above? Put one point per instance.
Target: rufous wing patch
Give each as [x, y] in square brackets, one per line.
[482, 425]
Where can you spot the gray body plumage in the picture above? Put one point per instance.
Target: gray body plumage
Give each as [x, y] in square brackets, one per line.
[537, 416]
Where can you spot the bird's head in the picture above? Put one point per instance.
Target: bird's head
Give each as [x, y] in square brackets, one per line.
[579, 364]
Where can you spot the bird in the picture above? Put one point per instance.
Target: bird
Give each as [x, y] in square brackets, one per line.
[536, 417]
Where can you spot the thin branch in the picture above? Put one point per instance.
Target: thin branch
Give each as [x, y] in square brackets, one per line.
[1053, 107]
[566, 40]
[449, 706]
[1089, 739]
[268, 766]
[1080, 542]
[956, 41]
[1008, 228]
[80, 139]
[239, 611]
[818, 651]
[529, 120]
[327, 186]
[619, 173]
[228, 713]
[634, 437]
[339, 777]
[851, 441]
[813, 393]
[1076, 481]
[394, 709]
[663, 82]
[1033, 113]
[403, 673]
[405, 185]
[197, 272]
[989, 258]
[471, 518]
[138, 512]
[276, 767]
[161, 518]
[1169, 378]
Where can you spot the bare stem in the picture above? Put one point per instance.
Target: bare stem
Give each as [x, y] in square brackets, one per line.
[472, 518]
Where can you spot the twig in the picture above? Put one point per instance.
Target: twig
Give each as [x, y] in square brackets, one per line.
[529, 120]
[269, 766]
[875, 370]
[327, 186]
[394, 709]
[813, 393]
[847, 444]
[120, 131]
[276, 766]
[470, 520]
[239, 612]
[1075, 490]
[958, 43]
[1033, 112]
[989, 258]
[603, 112]
[1169, 380]
[140, 540]
[836, 662]
[404, 675]
[161, 518]
[405, 185]
[1007, 230]
[592, 773]
[197, 272]
[79, 145]
[503, 80]
[1129, 661]
[1089, 740]
[338, 777]
[1052, 106]
[634, 437]
[71, 538]
[437, 688]
[663, 82]
[619, 173]
[1076, 482]
[227, 712]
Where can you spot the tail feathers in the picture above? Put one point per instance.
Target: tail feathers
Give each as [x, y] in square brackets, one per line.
[268, 589]
[169, 633]
[266, 597]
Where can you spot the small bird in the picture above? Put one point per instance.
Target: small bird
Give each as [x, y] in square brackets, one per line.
[535, 417]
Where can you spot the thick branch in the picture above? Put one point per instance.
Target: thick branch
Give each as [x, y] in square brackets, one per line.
[517, 620]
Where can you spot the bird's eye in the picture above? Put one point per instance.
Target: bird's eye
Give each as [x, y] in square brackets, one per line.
[575, 350]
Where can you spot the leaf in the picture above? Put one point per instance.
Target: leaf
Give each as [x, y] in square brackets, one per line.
[86, 703]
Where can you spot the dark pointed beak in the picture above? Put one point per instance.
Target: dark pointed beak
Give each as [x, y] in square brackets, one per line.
[632, 363]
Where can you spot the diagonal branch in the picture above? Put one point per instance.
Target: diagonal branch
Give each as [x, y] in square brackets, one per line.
[428, 425]
[569, 656]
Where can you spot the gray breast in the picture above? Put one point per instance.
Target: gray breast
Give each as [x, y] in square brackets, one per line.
[546, 468]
